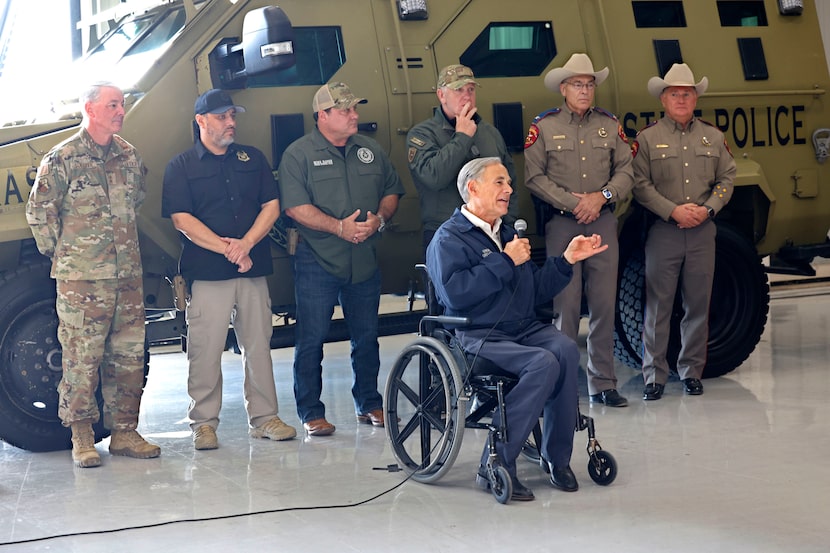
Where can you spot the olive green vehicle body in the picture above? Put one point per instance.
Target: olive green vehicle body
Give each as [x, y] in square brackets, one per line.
[779, 207]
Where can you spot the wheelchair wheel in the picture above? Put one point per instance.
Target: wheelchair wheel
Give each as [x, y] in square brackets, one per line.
[501, 486]
[422, 395]
[602, 467]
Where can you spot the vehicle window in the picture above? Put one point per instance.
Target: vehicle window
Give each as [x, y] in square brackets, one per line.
[125, 53]
[319, 53]
[511, 49]
[668, 53]
[161, 33]
[752, 58]
[116, 42]
[747, 13]
[650, 14]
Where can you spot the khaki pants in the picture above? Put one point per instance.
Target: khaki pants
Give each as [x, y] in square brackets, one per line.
[245, 302]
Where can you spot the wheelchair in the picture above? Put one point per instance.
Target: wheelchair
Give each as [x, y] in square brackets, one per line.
[435, 390]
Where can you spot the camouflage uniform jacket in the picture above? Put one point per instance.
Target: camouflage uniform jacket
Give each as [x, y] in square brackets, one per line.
[674, 165]
[437, 153]
[565, 153]
[82, 208]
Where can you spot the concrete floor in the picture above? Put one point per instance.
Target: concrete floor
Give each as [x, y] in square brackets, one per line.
[742, 468]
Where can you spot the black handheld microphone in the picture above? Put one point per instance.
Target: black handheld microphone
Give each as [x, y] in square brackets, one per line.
[520, 226]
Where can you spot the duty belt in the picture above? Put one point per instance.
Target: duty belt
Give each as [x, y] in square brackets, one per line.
[570, 215]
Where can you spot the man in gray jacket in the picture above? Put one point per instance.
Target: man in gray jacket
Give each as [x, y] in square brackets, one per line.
[441, 145]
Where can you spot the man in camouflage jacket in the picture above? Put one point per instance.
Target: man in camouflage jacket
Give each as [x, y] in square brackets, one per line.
[82, 212]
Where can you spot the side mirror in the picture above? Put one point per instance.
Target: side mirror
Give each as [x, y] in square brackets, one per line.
[267, 45]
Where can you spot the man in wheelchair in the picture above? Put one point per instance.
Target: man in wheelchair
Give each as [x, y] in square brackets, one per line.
[481, 270]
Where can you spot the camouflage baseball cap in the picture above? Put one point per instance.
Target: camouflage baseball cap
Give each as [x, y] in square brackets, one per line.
[456, 76]
[335, 95]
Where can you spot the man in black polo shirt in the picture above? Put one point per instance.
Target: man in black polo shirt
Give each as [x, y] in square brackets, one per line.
[224, 199]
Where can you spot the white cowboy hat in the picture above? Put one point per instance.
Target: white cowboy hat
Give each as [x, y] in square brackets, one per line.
[578, 64]
[678, 75]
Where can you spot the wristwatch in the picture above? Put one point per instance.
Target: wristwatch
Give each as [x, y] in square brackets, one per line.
[710, 211]
[382, 226]
[607, 194]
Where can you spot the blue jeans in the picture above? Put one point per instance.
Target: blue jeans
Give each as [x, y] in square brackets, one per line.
[317, 292]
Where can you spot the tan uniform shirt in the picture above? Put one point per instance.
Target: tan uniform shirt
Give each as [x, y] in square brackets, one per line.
[675, 165]
[565, 153]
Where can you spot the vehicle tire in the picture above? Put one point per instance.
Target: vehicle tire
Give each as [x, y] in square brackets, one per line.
[738, 313]
[30, 362]
[740, 304]
[631, 306]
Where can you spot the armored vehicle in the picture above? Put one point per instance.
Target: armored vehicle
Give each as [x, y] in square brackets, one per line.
[768, 81]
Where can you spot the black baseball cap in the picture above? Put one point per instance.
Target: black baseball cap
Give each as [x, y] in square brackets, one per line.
[215, 101]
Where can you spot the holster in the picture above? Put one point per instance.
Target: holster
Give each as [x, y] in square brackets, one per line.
[293, 237]
[180, 292]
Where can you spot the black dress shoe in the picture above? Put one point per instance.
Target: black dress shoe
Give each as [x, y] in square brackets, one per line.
[653, 391]
[520, 491]
[693, 386]
[564, 479]
[611, 398]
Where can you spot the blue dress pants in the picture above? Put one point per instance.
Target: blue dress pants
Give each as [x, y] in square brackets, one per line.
[546, 362]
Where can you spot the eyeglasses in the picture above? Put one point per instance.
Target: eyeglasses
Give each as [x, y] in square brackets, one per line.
[583, 86]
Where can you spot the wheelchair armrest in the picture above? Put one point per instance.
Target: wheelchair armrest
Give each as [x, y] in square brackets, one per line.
[446, 320]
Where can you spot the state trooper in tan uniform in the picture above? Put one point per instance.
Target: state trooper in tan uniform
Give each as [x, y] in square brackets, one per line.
[577, 165]
[683, 172]
[82, 212]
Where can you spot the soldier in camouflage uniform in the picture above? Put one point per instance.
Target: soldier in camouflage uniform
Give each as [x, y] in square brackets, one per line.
[82, 211]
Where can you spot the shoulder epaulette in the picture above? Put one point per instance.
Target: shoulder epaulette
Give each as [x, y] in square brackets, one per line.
[533, 132]
[544, 114]
[648, 126]
[707, 123]
[606, 113]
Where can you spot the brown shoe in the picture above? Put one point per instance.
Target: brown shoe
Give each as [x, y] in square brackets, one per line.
[204, 437]
[129, 443]
[274, 429]
[373, 417]
[84, 453]
[319, 427]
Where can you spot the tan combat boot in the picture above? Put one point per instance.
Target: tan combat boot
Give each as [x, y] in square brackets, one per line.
[130, 444]
[83, 446]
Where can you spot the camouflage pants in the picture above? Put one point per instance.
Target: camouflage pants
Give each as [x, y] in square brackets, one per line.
[101, 331]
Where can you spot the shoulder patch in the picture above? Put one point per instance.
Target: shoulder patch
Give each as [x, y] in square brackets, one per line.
[532, 135]
[544, 114]
[621, 132]
[417, 141]
[726, 145]
[605, 113]
[635, 147]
